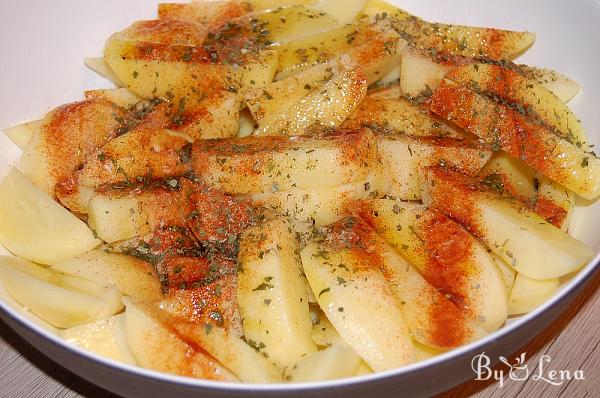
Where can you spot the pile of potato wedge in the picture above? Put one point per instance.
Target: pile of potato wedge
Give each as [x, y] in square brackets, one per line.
[293, 191]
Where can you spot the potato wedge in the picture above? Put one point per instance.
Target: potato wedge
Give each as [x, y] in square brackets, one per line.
[119, 96]
[211, 301]
[271, 164]
[519, 236]
[153, 62]
[360, 304]
[157, 347]
[449, 258]
[528, 294]
[132, 276]
[326, 104]
[344, 15]
[271, 293]
[68, 135]
[403, 157]
[59, 299]
[334, 362]
[505, 128]
[105, 337]
[422, 71]
[212, 14]
[526, 95]
[323, 206]
[510, 176]
[37, 228]
[124, 214]
[554, 203]
[245, 361]
[99, 65]
[21, 133]
[324, 333]
[401, 115]
[508, 274]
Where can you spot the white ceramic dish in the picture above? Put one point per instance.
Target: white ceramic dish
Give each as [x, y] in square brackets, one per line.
[43, 45]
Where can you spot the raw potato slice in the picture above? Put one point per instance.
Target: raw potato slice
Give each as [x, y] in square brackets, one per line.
[400, 115]
[271, 164]
[53, 297]
[403, 157]
[327, 104]
[156, 347]
[67, 136]
[271, 293]
[554, 203]
[378, 56]
[528, 294]
[432, 318]
[167, 58]
[520, 237]
[345, 14]
[505, 128]
[335, 362]
[530, 98]
[132, 276]
[507, 272]
[271, 4]
[562, 86]
[359, 303]
[246, 362]
[119, 96]
[104, 337]
[462, 40]
[511, 176]
[37, 228]
[212, 14]
[323, 206]
[99, 65]
[449, 258]
[134, 156]
[291, 23]
[300, 55]
[422, 71]
[118, 215]
[21, 134]
[324, 334]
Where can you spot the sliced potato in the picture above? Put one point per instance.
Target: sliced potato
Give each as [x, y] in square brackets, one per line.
[271, 4]
[134, 157]
[357, 300]
[531, 98]
[104, 337]
[246, 362]
[156, 347]
[326, 104]
[67, 136]
[528, 294]
[60, 300]
[520, 237]
[132, 276]
[562, 86]
[323, 206]
[450, 259]
[507, 272]
[271, 293]
[403, 157]
[212, 14]
[554, 203]
[119, 96]
[21, 133]
[324, 333]
[37, 228]
[123, 214]
[333, 362]
[99, 65]
[510, 176]
[344, 14]
[419, 73]
[401, 115]
[505, 128]
[271, 164]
